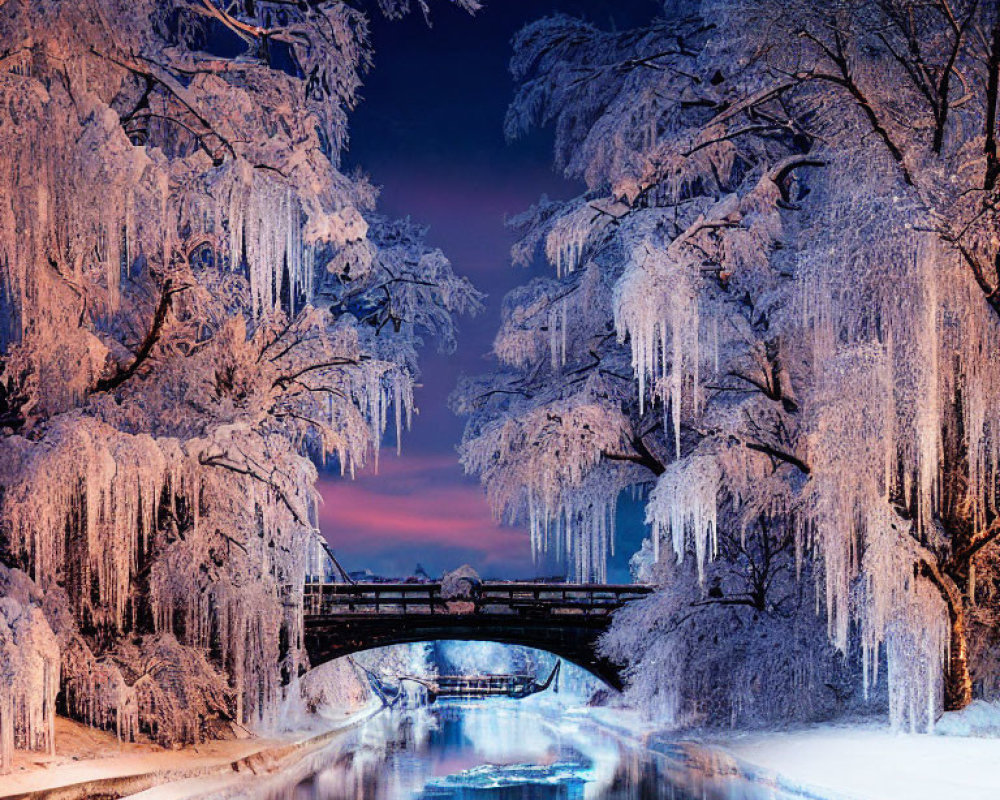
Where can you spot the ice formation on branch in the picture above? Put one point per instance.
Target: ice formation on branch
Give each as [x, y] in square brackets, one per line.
[903, 618]
[656, 308]
[569, 235]
[683, 508]
[110, 487]
[568, 514]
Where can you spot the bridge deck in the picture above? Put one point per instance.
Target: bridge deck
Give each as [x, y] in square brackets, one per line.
[495, 597]
[444, 686]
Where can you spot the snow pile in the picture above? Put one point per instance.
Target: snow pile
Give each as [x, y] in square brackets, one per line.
[979, 718]
[459, 584]
[335, 685]
[868, 761]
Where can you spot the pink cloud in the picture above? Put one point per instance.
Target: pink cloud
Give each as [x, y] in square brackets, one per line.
[416, 501]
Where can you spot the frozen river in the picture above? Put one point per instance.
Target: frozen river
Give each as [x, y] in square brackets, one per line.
[498, 750]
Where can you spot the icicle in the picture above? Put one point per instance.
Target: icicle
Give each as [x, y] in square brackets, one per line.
[684, 507]
[29, 658]
[566, 241]
[656, 307]
[562, 352]
[120, 478]
[265, 225]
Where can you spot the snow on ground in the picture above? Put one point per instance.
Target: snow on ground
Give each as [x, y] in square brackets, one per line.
[858, 761]
[870, 762]
[85, 755]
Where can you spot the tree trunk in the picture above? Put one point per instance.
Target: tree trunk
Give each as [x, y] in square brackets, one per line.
[957, 678]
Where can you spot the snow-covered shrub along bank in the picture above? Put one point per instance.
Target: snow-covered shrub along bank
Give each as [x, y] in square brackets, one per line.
[702, 665]
[773, 317]
[194, 301]
[29, 668]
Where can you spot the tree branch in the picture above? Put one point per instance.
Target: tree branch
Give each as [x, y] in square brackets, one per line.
[218, 461]
[978, 542]
[992, 91]
[780, 455]
[642, 456]
[122, 374]
[284, 380]
[785, 167]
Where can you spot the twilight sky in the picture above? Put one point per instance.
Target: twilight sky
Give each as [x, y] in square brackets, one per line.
[429, 132]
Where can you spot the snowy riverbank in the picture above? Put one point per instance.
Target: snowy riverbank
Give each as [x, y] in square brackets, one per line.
[846, 761]
[857, 761]
[90, 762]
[870, 762]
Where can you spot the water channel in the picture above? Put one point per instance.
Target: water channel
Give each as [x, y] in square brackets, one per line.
[500, 749]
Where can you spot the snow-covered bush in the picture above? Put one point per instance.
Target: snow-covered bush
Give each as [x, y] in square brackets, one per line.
[334, 686]
[29, 668]
[713, 654]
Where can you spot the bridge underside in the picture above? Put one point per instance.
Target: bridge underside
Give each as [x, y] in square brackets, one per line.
[333, 636]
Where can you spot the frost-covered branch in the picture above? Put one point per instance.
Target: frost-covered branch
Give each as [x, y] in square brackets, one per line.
[124, 372]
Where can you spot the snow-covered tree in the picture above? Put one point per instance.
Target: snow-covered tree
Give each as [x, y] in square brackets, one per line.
[655, 357]
[774, 301]
[899, 284]
[194, 301]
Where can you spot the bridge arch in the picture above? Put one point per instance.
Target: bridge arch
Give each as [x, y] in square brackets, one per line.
[321, 646]
[565, 620]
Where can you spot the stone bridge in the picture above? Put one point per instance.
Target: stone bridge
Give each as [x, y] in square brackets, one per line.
[562, 618]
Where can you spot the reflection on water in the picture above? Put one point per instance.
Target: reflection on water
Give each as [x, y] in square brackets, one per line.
[500, 750]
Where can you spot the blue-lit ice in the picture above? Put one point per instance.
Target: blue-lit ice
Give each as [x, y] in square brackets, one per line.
[492, 776]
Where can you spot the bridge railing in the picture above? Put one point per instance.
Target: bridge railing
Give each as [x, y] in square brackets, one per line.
[322, 599]
[493, 597]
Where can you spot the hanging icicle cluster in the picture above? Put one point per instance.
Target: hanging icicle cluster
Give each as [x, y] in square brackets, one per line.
[569, 509]
[683, 508]
[567, 240]
[905, 332]
[264, 220]
[579, 531]
[107, 488]
[656, 308]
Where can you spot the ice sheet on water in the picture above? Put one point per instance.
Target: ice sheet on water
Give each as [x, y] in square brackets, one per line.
[501, 776]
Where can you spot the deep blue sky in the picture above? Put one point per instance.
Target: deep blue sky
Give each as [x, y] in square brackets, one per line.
[429, 132]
